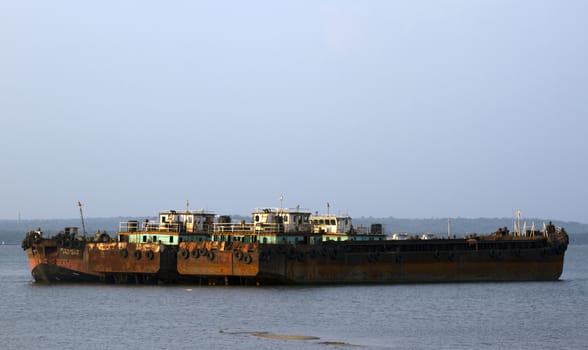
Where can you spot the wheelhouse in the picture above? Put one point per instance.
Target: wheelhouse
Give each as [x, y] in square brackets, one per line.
[269, 225]
[331, 224]
[171, 228]
[340, 228]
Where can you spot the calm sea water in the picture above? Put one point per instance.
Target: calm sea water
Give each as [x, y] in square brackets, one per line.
[541, 315]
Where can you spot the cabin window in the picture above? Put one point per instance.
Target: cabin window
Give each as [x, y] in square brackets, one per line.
[171, 239]
[286, 218]
[256, 218]
[154, 238]
[144, 239]
[333, 222]
[264, 239]
[189, 219]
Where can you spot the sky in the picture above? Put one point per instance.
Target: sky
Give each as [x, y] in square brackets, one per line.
[411, 109]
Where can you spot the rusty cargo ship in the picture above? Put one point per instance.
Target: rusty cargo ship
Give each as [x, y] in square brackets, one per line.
[288, 246]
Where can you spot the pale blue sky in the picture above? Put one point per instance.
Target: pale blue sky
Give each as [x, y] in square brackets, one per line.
[382, 108]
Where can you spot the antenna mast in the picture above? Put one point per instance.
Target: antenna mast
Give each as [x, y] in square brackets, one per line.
[519, 233]
[82, 216]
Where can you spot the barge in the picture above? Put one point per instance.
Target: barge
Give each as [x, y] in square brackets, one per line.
[288, 246]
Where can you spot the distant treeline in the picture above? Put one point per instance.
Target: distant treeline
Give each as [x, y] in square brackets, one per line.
[12, 231]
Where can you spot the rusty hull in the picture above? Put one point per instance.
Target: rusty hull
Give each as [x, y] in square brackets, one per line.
[333, 264]
[123, 257]
[52, 262]
[217, 259]
[123, 262]
[365, 262]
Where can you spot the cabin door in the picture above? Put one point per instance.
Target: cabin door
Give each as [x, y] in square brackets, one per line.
[189, 223]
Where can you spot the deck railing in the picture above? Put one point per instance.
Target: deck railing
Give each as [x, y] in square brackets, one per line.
[233, 227]
[249, 227]
[147, 226]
